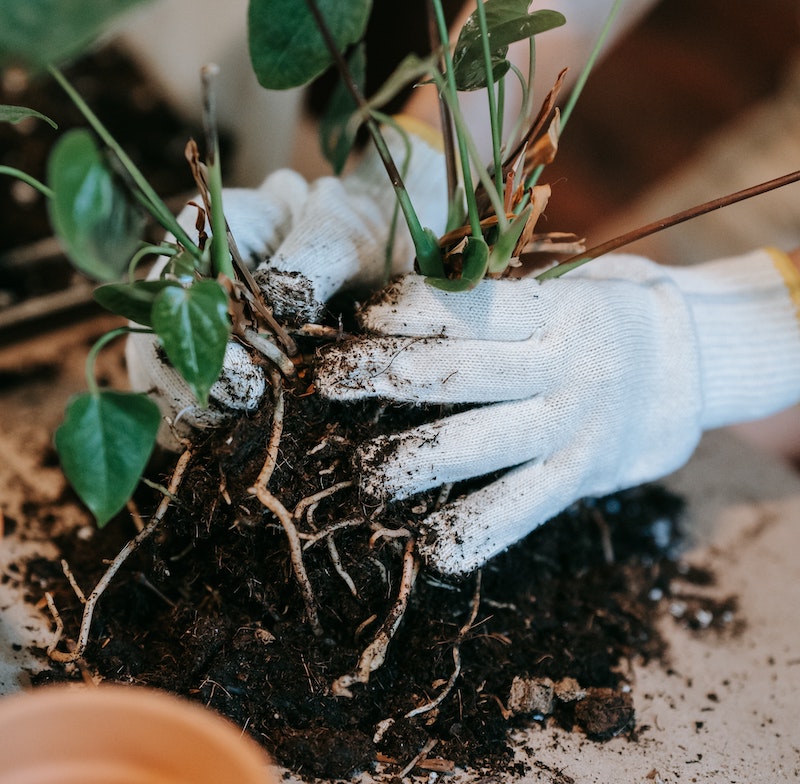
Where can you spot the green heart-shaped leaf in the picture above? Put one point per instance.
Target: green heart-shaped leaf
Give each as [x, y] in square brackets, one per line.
[286, 47]
[104, 444]
[133, 301]
[507, 21]
[99, 226]
[37, 33]
[193, 326]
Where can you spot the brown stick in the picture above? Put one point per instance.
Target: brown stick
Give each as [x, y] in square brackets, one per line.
[664, 223]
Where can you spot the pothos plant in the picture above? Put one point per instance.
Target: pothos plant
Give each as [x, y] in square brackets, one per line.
[99, 200]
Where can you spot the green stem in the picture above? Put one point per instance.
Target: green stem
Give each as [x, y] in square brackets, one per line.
[100, 343]
[387, 260]
[445, 118]
[147, 195]
[472, 153]
[149, 250]
[501, 108]
[221, 262]
[450, 93]
[425, 244]
[32, 181]
[493, 114]
[516, 130]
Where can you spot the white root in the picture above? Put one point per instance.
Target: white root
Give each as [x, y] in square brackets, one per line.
[121, 557]
[340, 570]
[72, 581]
[423, 753]
[312, 500]
[388, 533]
[451, 681]
[271, 460]
[325, 533]
[270, 350]
[295, 553]
[374, 654]
[51, 648]
[274, 505]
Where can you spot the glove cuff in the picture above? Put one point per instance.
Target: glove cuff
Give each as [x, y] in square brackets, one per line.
[745, 311]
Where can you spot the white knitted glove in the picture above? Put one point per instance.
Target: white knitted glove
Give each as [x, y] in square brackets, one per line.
[597, 381]
[337, 240]
[306, 242]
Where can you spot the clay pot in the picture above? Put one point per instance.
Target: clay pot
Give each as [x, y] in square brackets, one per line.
[121, 735]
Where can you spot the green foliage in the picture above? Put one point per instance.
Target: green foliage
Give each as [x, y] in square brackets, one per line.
[508, 21]
[475, 262]
[15, 114]
[193, 326]
[104, 444]
[96, 221]
[38, 33]
[429, 256]
[133, 301]
[337, 131]
[506, 242]
[286, 46]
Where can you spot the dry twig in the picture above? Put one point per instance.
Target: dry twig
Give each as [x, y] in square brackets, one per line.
[121, 557]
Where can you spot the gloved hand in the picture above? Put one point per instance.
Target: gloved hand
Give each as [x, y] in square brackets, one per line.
[305, 242]
[593, 382]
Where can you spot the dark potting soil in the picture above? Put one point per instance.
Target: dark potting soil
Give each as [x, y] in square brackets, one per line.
[210, 609]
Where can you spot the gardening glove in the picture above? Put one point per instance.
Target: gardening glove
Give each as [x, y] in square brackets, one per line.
[305, 242]
[590, 383]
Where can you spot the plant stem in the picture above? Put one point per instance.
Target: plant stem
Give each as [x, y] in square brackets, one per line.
[425, 245]
[490, 94]
[527, 85]
[665, 223]
[26, 178]
[445, 118]
[472, 153]
[220, 255]
[449, 90]
[146, 194]
[149, 250]
[390, 239]
[91, 382]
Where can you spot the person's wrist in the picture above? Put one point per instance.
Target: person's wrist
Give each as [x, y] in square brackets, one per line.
[745, 314]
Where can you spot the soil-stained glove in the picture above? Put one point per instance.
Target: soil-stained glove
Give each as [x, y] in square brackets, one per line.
[306, 242]
[338, 239]
[593, 382]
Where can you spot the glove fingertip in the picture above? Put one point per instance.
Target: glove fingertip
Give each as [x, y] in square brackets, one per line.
[290, 294]
[444, 550]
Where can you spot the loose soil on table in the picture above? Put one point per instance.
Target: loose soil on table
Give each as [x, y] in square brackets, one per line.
[210, 609]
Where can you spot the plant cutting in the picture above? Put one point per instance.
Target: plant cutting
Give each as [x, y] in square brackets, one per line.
[309, 518]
